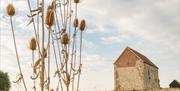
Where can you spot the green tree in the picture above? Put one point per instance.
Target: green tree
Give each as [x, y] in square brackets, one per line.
[4, 81]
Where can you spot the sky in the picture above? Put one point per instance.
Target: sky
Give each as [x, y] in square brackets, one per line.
[151, 27]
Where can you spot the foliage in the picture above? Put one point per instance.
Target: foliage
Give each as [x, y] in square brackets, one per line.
[4, 81]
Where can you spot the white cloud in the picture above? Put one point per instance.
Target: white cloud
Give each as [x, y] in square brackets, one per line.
[115, 39]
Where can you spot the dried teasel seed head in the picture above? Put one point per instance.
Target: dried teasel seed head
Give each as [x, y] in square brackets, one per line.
[32, 44]
[76, 22]
[50, 17]
[53, 4]
[52, 90]
[76, 1]
[82, 25]
[64, 38]
[10, 10]
[49, 7]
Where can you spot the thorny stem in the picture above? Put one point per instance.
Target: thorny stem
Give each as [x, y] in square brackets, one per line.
[56, 62]
[60, 9]
[49, 58]
[34, 82]
[57, 37]
[69, 27]
[35, 32]
[66, 64]
[43, 53]
[38, 37]
[64, 15]
[17, 56]
[74, 44]
[80, 55]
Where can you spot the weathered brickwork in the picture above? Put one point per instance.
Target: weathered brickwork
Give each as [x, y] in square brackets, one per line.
[140, 76]
[151, 79]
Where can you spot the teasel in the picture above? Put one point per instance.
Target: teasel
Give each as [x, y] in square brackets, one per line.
[76, 1]
[53, 4]
[64, 38]
[10, 10]
[32, 44]
[75, 23]
[82, 25]
[52, 90]
[50, 17]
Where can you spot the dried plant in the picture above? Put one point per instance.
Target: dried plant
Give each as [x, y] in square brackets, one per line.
[32, 44]
[68, 65]
[64, 38]
[82, 25]
[76, 1]
[10, 10]
[76, 23]
[50, 17]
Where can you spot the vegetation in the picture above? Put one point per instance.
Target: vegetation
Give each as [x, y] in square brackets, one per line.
[4, 81]
[60, 19]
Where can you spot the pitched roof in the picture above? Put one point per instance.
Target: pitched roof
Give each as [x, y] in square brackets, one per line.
[141, 56]
[174, 84]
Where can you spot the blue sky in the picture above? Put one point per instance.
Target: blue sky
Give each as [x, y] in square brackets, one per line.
[151, 27]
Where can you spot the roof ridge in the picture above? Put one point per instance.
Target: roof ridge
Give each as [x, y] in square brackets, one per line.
[142, 57]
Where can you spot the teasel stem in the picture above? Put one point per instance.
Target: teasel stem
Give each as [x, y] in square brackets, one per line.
[80, 65]
[34, 82]
[59, 51]
[64, 16]
[60, 9]
[48, 47]
[69, 27]
[34, 26]
[58, 46]
[74, 49]
[17, 56]
[55, 56]
[42, 68]
[38, 37]
[59, 82]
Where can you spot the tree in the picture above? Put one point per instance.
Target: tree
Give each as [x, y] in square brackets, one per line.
[4, 81]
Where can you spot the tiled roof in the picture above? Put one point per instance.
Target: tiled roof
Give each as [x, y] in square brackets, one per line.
[144, 58]
[139, 55]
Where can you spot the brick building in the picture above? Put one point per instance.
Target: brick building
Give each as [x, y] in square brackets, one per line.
[134, 71]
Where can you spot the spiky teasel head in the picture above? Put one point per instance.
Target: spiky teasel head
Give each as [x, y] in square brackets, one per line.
[50, 17]
[32, 44]
[64, 38]
[82, 25]
[76, 1]
[76, 22]
[53, 4]
[10, 10]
